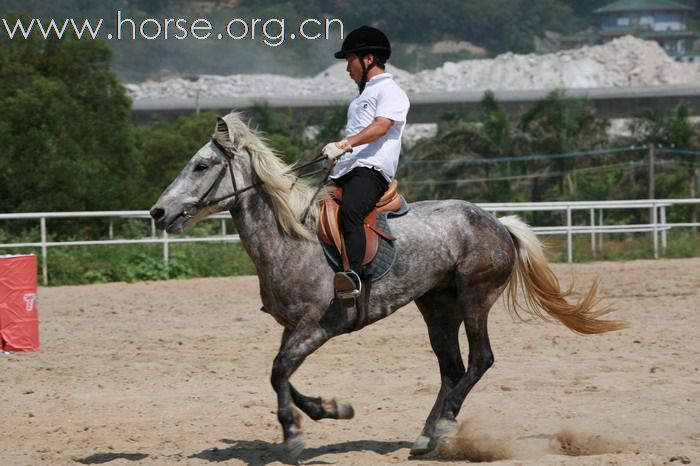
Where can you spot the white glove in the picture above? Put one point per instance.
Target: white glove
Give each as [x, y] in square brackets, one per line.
[332, 151]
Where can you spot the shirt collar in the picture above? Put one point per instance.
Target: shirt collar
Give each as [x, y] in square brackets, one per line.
[380, 77]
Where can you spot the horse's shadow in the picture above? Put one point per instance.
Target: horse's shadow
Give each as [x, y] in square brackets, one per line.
[101, 458]
[260, 452]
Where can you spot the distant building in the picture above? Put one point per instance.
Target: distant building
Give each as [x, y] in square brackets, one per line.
[664, 21]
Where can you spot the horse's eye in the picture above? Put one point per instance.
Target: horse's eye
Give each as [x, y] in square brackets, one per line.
[201, 166]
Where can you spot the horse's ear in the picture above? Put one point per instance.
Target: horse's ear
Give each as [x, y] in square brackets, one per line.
[222, 133]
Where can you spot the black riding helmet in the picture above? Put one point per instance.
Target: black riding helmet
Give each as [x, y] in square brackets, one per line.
[362, 41]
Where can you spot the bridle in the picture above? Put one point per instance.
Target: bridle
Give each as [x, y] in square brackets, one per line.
[229, 156]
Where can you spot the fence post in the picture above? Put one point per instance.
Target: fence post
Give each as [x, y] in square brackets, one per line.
[652, 156]
[694, 188]
[652, 195]
[593, 231]
[569, 236]
[44, 253]
[655, 230]
[166, 249]
[600, 236]
[664, 230]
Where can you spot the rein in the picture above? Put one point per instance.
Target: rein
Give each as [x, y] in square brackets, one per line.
[230, 155]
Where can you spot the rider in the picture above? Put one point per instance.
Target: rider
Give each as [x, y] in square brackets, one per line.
[368, 156]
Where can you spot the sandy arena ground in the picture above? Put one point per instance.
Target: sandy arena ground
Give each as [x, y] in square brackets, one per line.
[178, 373]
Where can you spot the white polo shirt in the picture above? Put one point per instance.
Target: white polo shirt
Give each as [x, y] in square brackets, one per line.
[382, 97]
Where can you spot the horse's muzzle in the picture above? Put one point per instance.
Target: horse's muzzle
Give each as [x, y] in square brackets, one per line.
[157, 213]
[172, 223]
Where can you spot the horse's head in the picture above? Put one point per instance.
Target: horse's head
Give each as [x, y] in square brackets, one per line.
[211, 182]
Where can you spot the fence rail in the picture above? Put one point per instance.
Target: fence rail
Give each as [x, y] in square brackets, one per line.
[657, 225]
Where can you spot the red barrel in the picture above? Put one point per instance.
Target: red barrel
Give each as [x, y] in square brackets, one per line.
[19, 319]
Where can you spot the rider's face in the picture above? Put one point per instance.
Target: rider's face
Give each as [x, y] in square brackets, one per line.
[354, 67]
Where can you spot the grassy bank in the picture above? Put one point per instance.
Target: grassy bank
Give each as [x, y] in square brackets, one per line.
[100, 264]
[79, 265]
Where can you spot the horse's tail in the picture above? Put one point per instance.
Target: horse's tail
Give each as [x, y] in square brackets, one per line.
[541, 290]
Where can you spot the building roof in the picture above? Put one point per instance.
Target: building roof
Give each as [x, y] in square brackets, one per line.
[593, 37]
[643, 5]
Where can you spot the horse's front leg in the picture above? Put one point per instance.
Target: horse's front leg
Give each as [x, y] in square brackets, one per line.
[316, 407]
[297, 344]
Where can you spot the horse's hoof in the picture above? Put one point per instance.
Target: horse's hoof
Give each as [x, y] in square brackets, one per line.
[422, 446]
[345, 410]
[444, 427]
[294, 447]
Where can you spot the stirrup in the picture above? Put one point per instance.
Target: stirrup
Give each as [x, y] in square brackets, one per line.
[347, 285]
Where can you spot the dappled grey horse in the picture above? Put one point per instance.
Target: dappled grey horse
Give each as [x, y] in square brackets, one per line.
[454, 261]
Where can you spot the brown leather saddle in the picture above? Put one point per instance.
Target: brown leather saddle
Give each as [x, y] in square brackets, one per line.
[329, 225]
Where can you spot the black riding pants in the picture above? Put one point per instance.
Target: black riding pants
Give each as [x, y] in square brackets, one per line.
[362, 188]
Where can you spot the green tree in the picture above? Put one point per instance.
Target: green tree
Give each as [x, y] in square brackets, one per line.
[668, 129]
[165, 147]
[585, 8]
[559, 124]
[672, 129]
[470, 140]
[151, 6]
[66, 136]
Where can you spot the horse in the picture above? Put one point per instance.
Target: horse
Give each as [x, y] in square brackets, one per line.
[454, 260]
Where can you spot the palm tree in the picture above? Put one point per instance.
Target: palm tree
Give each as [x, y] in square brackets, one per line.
[467, 143]
[557, 125]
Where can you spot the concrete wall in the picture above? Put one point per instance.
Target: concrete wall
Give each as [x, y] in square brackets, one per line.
[429, 108]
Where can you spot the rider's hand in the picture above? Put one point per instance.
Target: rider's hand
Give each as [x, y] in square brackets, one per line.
[332, 151]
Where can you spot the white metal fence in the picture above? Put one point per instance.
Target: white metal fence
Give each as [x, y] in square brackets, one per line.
[595, 226]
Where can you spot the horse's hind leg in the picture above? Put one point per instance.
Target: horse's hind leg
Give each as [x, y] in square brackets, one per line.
[475, 303]
[443, 318]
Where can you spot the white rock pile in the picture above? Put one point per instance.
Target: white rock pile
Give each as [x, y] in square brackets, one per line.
[627, 61]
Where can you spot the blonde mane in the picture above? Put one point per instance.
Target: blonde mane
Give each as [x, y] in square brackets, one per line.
[290, 194]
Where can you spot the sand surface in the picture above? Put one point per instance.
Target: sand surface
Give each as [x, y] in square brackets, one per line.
[178, 373]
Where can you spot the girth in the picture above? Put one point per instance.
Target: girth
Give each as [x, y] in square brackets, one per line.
[329, 224]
